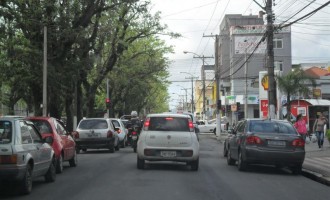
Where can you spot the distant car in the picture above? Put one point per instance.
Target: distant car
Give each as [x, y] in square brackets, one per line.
[63, 145]
[121, 130]
[269, 142]
[24, 155]
[96, 133]
[168, 137]
[206, 126]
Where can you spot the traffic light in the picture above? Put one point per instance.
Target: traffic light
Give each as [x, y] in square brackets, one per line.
[219, 104]
[107, 103]
[238, 106]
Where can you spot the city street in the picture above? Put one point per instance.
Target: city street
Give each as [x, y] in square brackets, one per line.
[102, 175]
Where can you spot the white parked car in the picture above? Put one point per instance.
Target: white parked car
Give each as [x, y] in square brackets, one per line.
[121, 130]
[168, 137]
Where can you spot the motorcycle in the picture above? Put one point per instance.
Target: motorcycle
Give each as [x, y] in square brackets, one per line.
[133, 136]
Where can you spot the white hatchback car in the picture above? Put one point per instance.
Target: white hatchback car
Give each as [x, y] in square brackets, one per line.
[168, 137]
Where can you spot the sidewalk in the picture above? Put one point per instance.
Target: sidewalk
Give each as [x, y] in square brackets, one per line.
[317, 162]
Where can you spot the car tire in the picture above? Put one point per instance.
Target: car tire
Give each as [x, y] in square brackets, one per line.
[194, 165]
[215, 131]
[225, 150]
[296, 169]
[117, 146]
[59, 164]
[230, 161]
[241, 164]
[74, 161]
[111, 148]
[140, 163]
[26, 183]
[51, 173]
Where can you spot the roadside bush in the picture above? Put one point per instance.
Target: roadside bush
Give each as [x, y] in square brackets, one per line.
[327, 134]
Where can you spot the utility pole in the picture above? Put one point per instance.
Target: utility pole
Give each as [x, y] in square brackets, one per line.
[192, 77]
[246, 85]
[270, 64]
[203, 79]
[217, 78]
[44, 76]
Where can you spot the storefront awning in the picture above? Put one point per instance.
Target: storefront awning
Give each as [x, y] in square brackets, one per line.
[318, 102]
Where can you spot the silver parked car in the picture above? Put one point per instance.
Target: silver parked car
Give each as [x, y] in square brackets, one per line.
[24, 155]
[168, 137]
[265, 141]
[96, 133]
[121, 130]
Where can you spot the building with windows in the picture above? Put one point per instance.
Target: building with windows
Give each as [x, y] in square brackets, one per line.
[243, 38]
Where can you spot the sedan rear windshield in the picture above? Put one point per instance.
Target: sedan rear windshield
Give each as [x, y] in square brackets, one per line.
[168, 124]
[93, 124]
[5, 132]
[272, 127]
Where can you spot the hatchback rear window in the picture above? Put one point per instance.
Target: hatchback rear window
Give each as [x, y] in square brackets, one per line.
[93, 124]
[272, 127]
[168, 124]
[5, 132]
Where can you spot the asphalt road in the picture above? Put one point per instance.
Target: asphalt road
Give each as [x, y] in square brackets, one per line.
[101, 175]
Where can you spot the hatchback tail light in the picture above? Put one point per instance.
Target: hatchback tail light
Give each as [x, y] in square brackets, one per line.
[109, 134]
[75, 134]
[8, 159]
[253, 140]
[191, 125]
[146, 124]
[298, 143]
[134, 133]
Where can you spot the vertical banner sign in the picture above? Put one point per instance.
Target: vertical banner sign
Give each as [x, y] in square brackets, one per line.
[264, 107]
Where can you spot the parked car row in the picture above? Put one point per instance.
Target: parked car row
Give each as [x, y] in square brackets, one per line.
[38, 146]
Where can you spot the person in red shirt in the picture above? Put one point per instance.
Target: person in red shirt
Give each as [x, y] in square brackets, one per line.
[300, 125]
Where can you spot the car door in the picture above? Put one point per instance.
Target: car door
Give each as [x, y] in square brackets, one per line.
[236, 139]
[68, 144]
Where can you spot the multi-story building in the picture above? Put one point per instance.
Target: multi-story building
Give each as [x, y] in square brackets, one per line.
[243, 38]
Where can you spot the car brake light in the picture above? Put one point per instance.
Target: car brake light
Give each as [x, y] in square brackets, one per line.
[8, 159]
[75, 134]
[298, 143]
[169, 118]
[191, 125]
[253, 140]
[146, 124]
[134, 133]
[109, 134]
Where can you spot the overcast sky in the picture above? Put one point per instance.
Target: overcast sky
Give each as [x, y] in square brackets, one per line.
[197, 18]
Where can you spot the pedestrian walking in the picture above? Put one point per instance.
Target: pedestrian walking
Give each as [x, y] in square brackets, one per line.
[300, 125]
[318, 127]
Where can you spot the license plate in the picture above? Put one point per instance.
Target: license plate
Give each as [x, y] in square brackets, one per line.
[93, 134]
[276, 143]
[134, 137]
[168, 154]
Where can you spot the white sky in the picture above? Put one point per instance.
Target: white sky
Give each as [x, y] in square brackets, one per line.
[195, 18]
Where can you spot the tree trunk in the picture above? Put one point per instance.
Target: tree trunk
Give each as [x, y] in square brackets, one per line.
[288, 117]
[69, 113]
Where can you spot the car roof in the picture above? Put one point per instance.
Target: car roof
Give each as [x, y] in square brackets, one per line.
[167, 115]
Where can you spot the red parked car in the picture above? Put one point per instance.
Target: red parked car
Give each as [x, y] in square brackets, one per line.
[64, 145]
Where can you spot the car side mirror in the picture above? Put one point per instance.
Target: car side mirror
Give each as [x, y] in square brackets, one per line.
[49, 140]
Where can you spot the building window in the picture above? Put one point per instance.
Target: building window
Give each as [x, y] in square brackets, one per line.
[278, 65]
[278, 43]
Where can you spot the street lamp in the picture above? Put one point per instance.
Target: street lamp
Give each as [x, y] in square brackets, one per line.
[203, 77]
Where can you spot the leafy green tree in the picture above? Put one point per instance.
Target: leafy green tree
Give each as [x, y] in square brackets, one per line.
[295, 82]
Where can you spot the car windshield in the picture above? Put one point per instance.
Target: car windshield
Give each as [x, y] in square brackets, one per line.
[93, 124]
[43, 126]
[5, 132]
[168, 124]
[271, 127]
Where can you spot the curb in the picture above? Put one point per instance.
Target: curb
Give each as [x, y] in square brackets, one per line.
[316, 176]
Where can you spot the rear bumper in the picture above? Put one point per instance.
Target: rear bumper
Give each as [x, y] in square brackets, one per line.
[181, 156]
[94, 143]
[10, 173]
[256, 156]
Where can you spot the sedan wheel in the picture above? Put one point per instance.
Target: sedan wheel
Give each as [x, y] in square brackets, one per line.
[225, 150]
[51, 173]
[241, 164]
[230, 161]
[59, 165]
[26, 184]
[74, 161]
[140, 163]
[194, 165]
